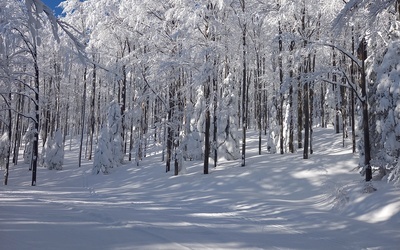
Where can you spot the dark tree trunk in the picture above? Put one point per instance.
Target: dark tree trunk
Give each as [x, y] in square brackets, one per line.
[291, 118]
[207, 128]
[311, 91]
[306, 121]
[18, 131]
[215, 118]
[344, 103]
[344, 112]
[123, 105]
[299, 114]
[291, 122]
[265, 102]
[35, 150]
[9, 134]
[46, 112]
[322, 103]
[92, 115]
[170, 132]
[258, 104]
[179, 122]
[280, 112]
[362, 54]
[244, 87]
[130, 141]
[169, 147]
[66, 120]
[306, 110]
[353, 72]
[337, 96]
[83, 114]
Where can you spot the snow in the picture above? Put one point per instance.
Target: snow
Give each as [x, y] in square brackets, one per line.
[274, 202]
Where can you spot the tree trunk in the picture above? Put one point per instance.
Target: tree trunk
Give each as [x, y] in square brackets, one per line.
[299, 113]
[207, 128]
[92, 115]
[344, 111]
[311, 92]
[244, 87]
[169, 129]
[130, 141]
[18, 131]
[46, 112]
[215, 118]
[344, 107]
[179, 122]
[353, 126]
[336, 92]
[291, 116]
[306, 110]
[367, 146]
[258, 104]
[123, 106]
[35, 150]
[66, 120]
[83, 115]
[9, 134]
[322, 103]
[280, 112]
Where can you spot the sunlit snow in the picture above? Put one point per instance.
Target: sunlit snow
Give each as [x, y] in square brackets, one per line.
[274, 202]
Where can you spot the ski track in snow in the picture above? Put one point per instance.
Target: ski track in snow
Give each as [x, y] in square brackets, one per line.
[275, 202]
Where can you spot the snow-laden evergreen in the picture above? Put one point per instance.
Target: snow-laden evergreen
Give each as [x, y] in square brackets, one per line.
[4, 148]
[388, 108]
[228, 141]
[53, 155]
[28, 141]
[109, 153]
[195, 145]
[103, 158]
[114, 125]
[273, 133]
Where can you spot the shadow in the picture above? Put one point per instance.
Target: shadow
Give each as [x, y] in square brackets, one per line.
[274, 202]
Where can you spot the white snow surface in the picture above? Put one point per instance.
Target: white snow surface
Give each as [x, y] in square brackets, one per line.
[274, 202]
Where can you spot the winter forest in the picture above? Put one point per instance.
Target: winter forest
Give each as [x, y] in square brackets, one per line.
[194, 77]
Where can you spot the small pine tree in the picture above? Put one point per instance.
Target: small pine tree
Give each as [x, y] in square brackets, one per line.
[46, 150]
[273, 133]
[109, 151]
[194, 147]
[194, 141]
[229, 143]
[114, 124]
[53, 157]
[4, 146]
[28, 140]
[103, 159]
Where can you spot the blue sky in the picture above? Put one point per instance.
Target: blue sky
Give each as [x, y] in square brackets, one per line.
[52, 4]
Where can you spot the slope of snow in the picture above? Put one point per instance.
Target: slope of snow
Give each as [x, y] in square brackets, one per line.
[274, 202]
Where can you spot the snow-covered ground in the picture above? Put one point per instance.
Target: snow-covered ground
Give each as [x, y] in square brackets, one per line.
[275, 202]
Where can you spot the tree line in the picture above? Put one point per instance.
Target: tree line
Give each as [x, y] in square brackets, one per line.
[193, 76]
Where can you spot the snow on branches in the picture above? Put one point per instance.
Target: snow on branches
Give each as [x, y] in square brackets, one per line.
[109, 153]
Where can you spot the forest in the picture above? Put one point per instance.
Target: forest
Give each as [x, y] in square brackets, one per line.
[194, 77]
